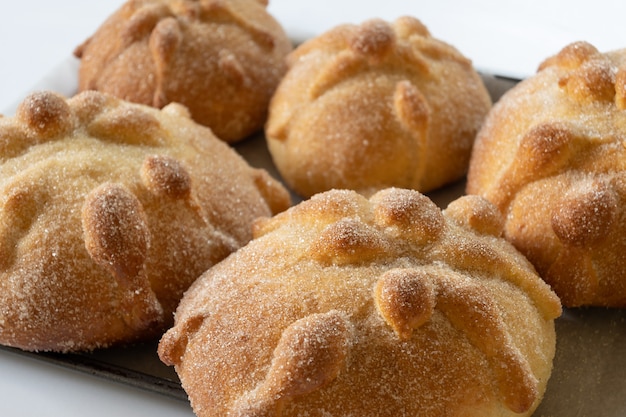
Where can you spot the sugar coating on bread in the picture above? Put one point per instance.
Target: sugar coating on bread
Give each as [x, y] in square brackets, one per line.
[551, 156]
[386, 306]
[375, 105]
[108, 212]
[221, 59]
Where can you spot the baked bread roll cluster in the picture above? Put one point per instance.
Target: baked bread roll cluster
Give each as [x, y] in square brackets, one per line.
[348, 306]
[373, 106]
[222, 59]
[363, 300]
[552, 157]
[108, 212]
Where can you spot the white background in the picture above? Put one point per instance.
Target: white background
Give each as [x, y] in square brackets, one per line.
[505, 38]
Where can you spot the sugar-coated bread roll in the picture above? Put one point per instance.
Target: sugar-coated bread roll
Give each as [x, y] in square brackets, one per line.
[552, 157]
[372, 106]
[222, 59]
[347, 306]
[108, 212]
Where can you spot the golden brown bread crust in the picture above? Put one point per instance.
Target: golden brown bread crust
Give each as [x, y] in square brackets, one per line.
[222, 59]
[346, 306]
[372, 106]
[552, 157]
[108, 212]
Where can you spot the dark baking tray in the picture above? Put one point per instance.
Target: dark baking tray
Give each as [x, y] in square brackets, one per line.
[136, 365]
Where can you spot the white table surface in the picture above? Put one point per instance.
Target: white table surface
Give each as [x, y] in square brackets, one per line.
[508, 38]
